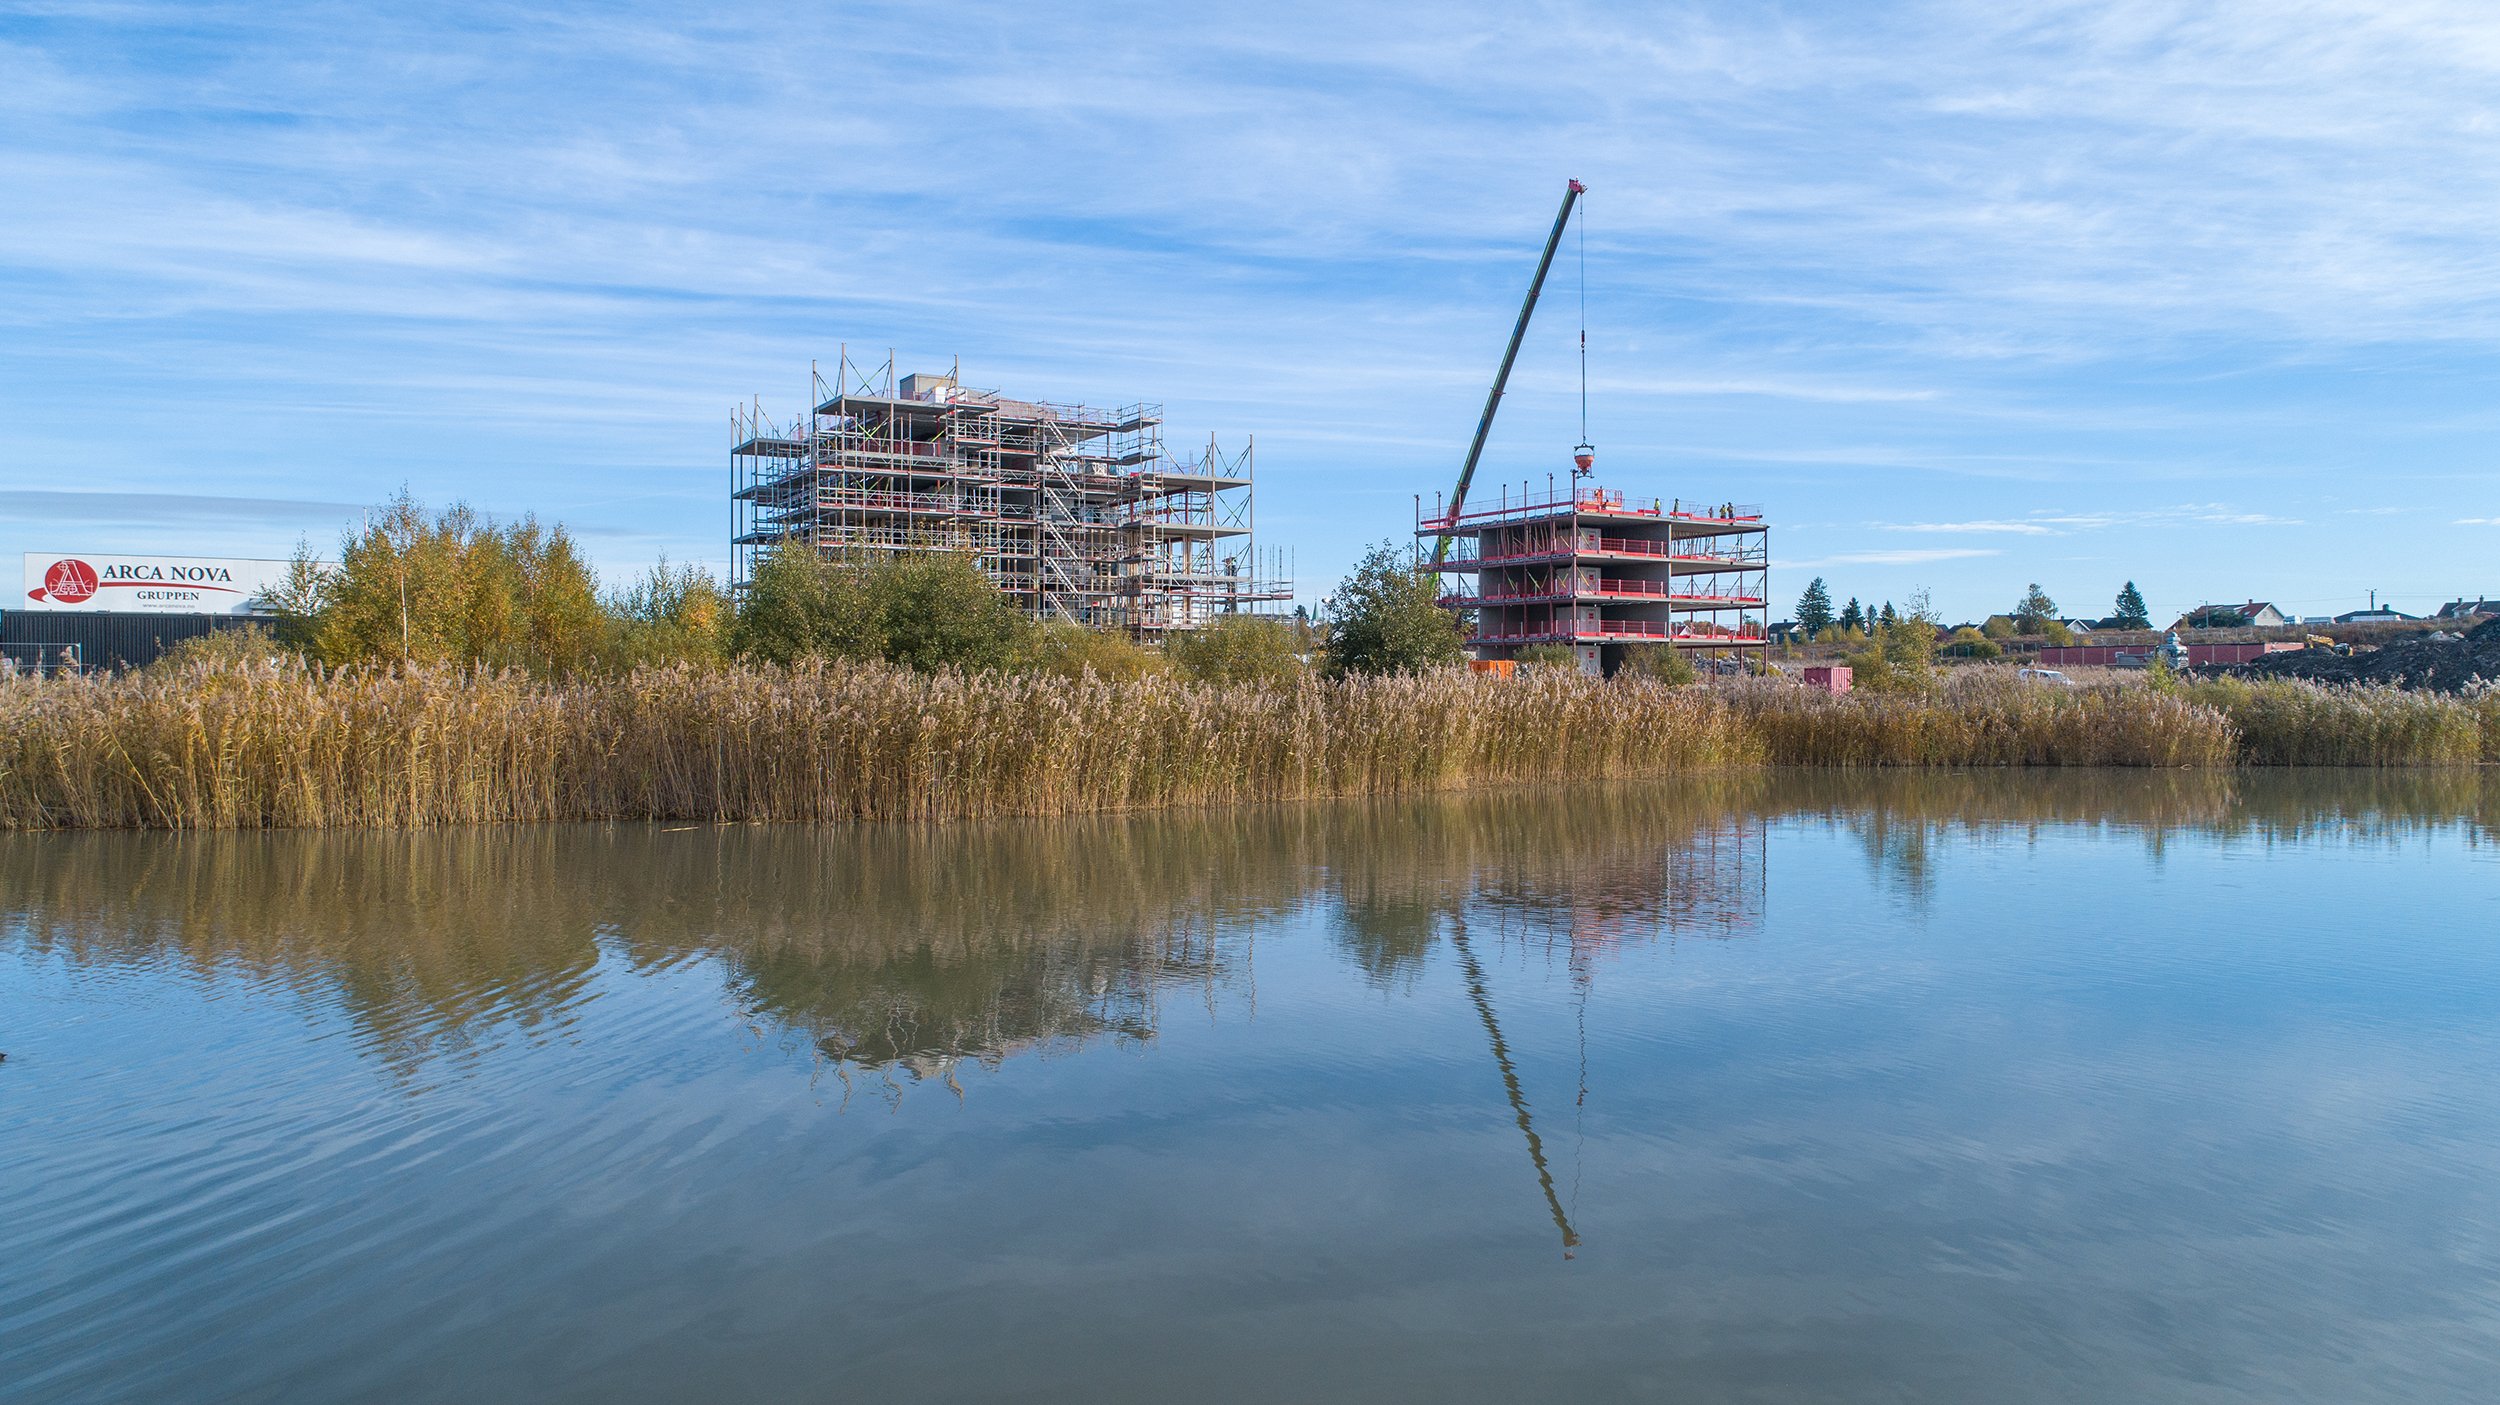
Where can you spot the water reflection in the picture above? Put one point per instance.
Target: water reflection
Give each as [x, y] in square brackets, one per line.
[909, 950]
[1825, 1097]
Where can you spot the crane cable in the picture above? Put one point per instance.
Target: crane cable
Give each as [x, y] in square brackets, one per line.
[1583, 234]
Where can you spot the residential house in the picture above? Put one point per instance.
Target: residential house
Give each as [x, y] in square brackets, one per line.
[2252, 614]
[2468, 609]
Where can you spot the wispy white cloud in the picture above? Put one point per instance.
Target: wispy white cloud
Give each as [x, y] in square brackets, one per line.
[1914, 556]
[2020, 529]
[2037, 252]
[2204, 514]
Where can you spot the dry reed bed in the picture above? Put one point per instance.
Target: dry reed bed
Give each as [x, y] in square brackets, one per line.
[2285, 722]
[253, 746]
[1984, 720]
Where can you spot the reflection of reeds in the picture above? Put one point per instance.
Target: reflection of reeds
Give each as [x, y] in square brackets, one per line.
[253, 746]
[912, 945]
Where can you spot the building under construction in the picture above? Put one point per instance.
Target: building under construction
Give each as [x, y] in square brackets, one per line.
[1079, 514]
[1580, 566]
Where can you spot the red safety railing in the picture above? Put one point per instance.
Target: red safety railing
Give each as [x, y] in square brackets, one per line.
[1677, 632]
[1614, 546]
[1508, 508]
[1442, 521]
[1615, 590]
[1609, 590]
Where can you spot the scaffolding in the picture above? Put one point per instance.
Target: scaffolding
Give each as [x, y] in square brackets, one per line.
[1078, 514]
[1582, 567]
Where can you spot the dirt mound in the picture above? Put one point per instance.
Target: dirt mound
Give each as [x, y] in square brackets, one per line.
[2430, 665]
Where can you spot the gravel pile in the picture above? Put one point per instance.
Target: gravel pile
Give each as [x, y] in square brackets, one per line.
[2437, 666]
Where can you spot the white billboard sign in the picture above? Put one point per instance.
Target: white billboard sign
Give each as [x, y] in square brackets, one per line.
[165, 585]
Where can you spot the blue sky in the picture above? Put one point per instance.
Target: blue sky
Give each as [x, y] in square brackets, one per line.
[1967, 294]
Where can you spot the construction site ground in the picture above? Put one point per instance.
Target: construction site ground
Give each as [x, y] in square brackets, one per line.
[2420, 661]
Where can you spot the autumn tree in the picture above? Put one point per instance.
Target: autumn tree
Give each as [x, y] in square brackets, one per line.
[452, 588]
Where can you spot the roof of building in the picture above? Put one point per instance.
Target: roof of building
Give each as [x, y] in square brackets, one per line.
[2246, 607]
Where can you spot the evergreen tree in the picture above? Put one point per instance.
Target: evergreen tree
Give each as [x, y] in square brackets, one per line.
[1852, 618]
[1814, 608]
[1890, 616]
[2131, 613]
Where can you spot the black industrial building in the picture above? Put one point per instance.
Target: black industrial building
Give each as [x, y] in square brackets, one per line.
[101, 639]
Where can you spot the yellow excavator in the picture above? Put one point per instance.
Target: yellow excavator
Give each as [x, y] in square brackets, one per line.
[2320, 641]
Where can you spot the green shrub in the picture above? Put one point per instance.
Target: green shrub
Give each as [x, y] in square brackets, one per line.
[1237, 649]
[1387, 618]
[1548, 656]
[925, 610]
[1901, 655]
[1062, 649]
[1658, 663]
[1969, 643]
[678, 615]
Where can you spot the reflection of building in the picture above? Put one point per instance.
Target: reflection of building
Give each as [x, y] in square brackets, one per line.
[1717, 883]
[1708, 881]
[1583, 567]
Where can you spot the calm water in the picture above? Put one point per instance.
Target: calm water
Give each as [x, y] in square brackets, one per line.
[1996, 1088]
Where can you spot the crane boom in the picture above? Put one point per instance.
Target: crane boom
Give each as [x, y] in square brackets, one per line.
[1501, 378]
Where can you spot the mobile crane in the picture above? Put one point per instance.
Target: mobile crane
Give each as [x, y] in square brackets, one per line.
[1582, 454]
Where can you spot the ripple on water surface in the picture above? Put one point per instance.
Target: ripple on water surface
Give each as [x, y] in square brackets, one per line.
[1771, 1087]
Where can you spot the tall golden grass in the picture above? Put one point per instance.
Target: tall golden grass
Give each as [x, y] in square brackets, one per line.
[259, 745]
[1983, 719]
[217, 745]
[2286, 722]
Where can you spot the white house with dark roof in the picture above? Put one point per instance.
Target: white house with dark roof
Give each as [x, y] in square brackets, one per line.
[2254, 614]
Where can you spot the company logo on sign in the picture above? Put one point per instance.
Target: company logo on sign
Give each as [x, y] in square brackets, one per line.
[195, 585]
[70, 582]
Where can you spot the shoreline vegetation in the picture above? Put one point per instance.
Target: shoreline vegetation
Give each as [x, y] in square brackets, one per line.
[260, 743]
[450, 670]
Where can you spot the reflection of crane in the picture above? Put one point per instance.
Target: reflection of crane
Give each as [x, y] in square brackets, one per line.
[1518, 332]
[1510, 1078]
